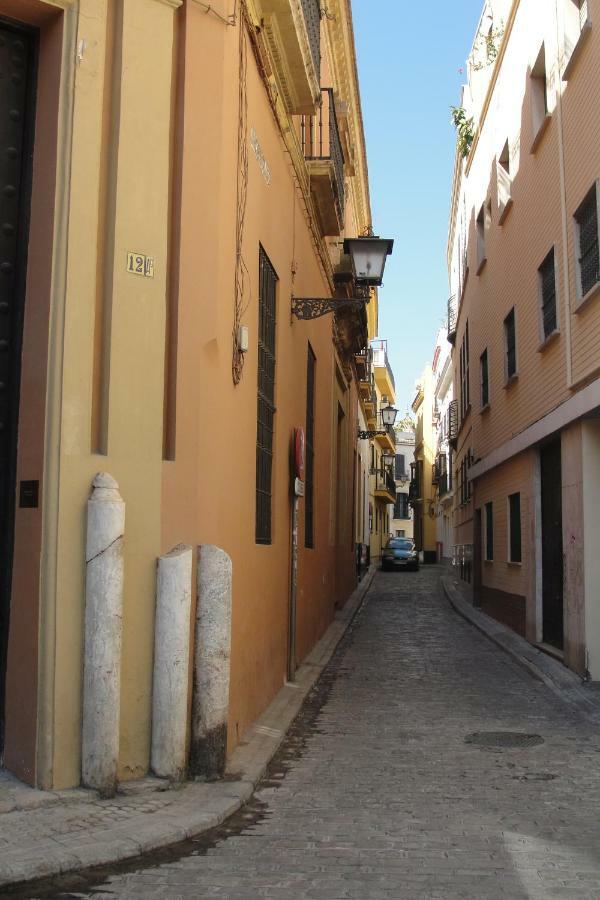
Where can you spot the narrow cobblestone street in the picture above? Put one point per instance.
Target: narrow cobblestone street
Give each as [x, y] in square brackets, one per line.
[379, 790]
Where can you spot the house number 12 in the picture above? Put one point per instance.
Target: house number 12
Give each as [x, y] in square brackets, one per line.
[139, 264]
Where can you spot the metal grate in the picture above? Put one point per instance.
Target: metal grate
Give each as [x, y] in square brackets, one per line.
[266, 397]
[312, 17]
[453, 420]
[310, 452]
[548, 286]
[452, 317]
[503, 739]
[589, 259]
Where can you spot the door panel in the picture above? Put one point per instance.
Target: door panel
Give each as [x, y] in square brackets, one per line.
[552, 550]
[17, 50]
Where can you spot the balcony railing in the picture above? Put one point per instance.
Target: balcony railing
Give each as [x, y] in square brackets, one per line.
[312, 17]
[385, 482]
[453, 423]
[320, 138]
[414, 491]
[452, 318]
[380, 359]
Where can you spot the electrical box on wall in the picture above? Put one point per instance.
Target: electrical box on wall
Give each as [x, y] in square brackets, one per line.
[242, 338]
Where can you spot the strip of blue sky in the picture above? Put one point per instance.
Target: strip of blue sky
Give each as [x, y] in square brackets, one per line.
[409, 57]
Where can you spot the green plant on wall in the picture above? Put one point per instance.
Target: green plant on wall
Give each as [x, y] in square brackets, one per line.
[490, 44]
[464, 130]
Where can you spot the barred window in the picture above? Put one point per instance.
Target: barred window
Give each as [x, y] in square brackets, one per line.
[589, 257]
[267, 280]
[510, 343]
[310, 451]
[400, 465]
[514, 524]
[401, 510]
[485, 384]
[489, 531]
[548, 294]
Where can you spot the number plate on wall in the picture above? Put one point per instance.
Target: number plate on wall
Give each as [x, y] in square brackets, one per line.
[140, 264]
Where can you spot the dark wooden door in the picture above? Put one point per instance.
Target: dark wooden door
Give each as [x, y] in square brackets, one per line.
[17, 49]
[552, 549]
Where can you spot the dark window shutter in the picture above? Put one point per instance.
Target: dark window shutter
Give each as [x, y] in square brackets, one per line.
[266, 396]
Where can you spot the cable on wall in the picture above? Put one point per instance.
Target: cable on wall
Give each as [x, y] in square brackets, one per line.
[227, 20]
[241, 269]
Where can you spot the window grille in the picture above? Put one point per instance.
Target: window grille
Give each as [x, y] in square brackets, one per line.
[589, 258]
[485, 385]
[266, 396]
[514, 508]
[310, 452]
[489, 531]
[548, 291]
[511, 344]
[401, 507]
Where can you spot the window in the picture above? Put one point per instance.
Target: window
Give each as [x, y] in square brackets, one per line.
[510, 344]
[482, 223]
[310, 451]
[504, 182]
[489, 531]
[400, 471]
[514, 528]
[267, 281]
[539, 97]
[577, 27]
[588, 259]
[401, 507]
[485, 386]
[548, 295]
[465, 395]
[400, 533]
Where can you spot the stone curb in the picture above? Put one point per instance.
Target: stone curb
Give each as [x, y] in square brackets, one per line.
[565, 683]
[199, 806]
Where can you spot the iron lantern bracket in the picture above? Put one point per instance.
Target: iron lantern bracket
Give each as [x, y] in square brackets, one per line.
[315, 307]
[367, 435]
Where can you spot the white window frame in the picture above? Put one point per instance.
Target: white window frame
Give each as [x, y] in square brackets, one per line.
[594, 291]
[482, 224]
[540, 100]
[575, 34]
[504, 182]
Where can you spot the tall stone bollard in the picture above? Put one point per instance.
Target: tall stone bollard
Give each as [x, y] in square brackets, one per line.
[211, 663]
[103, 633]
[171, 663]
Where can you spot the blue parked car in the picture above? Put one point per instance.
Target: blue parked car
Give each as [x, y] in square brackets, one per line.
[399, 553]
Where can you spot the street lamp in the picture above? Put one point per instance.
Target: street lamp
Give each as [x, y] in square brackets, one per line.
[388, 417]
[368, 254]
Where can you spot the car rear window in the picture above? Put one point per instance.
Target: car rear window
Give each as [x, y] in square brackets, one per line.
[400, 545]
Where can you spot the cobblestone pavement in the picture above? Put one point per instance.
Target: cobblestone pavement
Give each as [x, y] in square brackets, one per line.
[382, 790]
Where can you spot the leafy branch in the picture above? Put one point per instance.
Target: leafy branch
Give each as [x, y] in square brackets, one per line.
[465, 130]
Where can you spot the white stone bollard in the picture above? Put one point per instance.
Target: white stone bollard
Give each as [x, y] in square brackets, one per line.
[171, 663]
[212, 661]
[103, 634]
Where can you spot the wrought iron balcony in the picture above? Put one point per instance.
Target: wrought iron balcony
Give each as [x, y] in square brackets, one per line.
[443, 487]
[385, 485]
[293, 33]
[414, 491]
[453, 422]
[452, 319]
[312, 17]
[322, 150]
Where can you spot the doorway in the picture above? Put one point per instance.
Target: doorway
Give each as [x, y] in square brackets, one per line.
[18, 50]
[552, 548]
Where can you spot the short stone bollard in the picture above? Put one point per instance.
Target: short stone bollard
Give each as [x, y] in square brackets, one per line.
[171, 663]
[103, 635]
[212, 662]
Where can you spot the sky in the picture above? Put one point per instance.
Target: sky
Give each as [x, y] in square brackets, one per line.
[409, 60]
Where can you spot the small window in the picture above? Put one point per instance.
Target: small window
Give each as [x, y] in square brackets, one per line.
[400, 466]
[539, 96]
[489, 532]
[483, 224]
[504, 182]
[485, 385]
[588, 258]
[548, 295]
[514, 528]
[510, 344]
